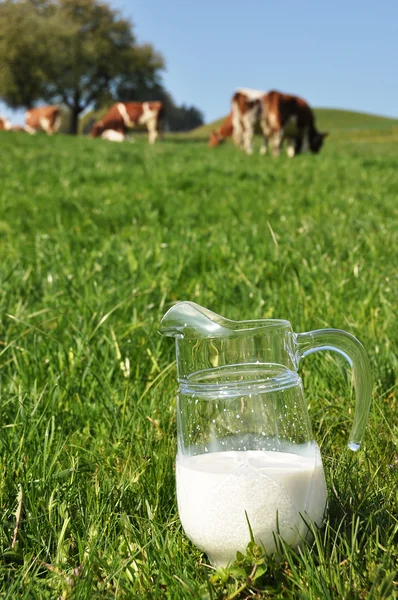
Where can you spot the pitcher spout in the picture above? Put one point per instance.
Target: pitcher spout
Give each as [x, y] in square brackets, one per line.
[189, 320]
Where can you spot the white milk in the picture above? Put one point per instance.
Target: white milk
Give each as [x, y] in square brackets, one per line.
[214, 490]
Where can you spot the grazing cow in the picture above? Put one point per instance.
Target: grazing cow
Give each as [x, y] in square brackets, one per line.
[112, 135]
[289, 118]
[218, 136]
[5, 124]
[246, 114]
[125, 115]
[45, 118]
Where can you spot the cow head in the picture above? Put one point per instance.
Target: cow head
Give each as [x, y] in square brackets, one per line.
[97, 129]
[316, 141]
[215, 139]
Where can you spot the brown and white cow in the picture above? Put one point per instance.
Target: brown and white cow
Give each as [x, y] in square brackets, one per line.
[45, 118]
[290, 118]
[246, 115]
[5, 124]
[218, 136]
[125, 115]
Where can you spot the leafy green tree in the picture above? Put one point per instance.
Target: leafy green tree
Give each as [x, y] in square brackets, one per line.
[184, 118]
[74, 52]
[25, 53]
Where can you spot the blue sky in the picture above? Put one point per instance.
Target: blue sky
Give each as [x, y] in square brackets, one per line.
[341, 54]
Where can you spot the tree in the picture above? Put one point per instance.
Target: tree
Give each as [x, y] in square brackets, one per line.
[74, 52]
[24, 53]
[184, 118]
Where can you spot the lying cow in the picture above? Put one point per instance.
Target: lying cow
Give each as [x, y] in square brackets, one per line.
[45, 118]
[289, 118]
[5, 124]
[125, 115]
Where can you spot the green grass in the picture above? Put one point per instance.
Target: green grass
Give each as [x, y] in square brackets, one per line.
[343, 125]
[97, 241]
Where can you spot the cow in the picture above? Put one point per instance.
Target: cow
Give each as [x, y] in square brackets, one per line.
[125, 115]
[246, 115]
[5, 124]
[290, 118]
[45, 118]
[218, 136]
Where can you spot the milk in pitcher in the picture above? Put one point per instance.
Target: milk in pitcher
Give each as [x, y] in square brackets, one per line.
[219, 492]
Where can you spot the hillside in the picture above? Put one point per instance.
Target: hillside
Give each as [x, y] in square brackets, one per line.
[341, 124]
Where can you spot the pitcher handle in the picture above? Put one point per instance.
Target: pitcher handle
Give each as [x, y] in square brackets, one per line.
[348, 346]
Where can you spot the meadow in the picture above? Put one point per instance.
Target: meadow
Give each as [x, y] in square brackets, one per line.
[97, 241]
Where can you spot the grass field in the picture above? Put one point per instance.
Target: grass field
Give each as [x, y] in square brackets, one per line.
[97, 241]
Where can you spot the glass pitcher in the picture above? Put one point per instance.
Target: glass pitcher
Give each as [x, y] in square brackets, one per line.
[246, 458]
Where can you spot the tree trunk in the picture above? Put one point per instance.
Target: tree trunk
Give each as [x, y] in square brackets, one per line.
[74, 120]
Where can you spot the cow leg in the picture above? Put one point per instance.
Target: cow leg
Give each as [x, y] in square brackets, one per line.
[266, 134]
[241, 144]
[57, 123]
[153, 136]
[302, 142]
[238, 137]
[248, 140]
[264, 146]
[153, 133]
[276, 142]
[291, 148]
[237, 131]
[248, 132]
[46, 125]
[30, 130]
